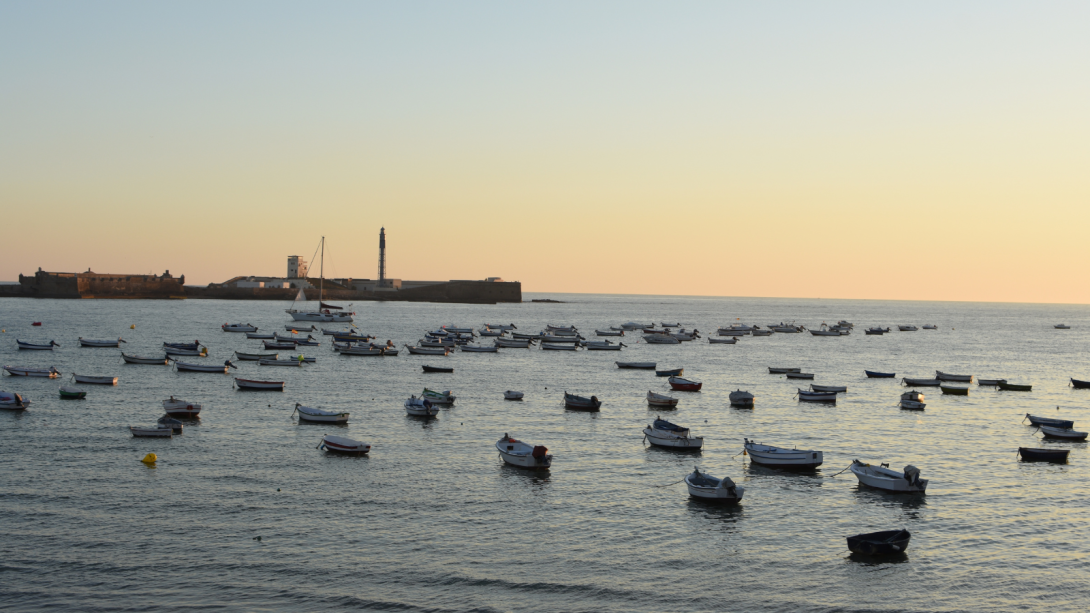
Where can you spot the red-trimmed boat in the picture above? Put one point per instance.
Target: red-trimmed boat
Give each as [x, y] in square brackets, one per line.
[685, 385]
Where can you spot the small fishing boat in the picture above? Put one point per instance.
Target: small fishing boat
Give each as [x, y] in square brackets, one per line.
[912, 401]
[390, 351]
[427, 350]
[254, 357]
[731, 333]
[151, 431]
[95, 379]
[662, 433]
[722, 341]
[907, 328]
[825, 330]
[808, 396]
[253, 384]
[501, 327]
[603, 346]
[328, 332]
[677, 372]
[1038, 454]
[881, 477]
[990, 382]
[370, 350]
[343, 444]
[176, 407]
[298, 328]
[555, 347]
[37, 346]
[780, 457]
[13, 402]
[1062, 327]
[350, 337]
[1048, 421]
[609, 332]
[238, 328]
[260, 336]
[189, 367]
[512, 395]
[72, 393]
[885, 543]
[709, 489]
[873, 374]
[921, 382]
[661, 339]
[308, 343]
[876, 331]
[582, 403]
[635, 326]
[474, 349]
[799, 375]
[1079, 384]
[436, 368]
[434, 397]
[275, 362]
[86, 342]
[320, 416]
[1063, 433]
[739, 398]
[684, 385]
[954, 390]
[302, 358]
[490, 332]
[782, 371]
[788, 329]
[660, 400]
[420, 407]
[138, 359]
[193, 345]
[202, 352]
[300, 339]
[519, 336]
[1011, 387]
[762, 332]
[18, 371]
[523, 455]
[930, 327]
[504, 343]
[638, 365]
[836, 389]
[945, 376]
[167, 421]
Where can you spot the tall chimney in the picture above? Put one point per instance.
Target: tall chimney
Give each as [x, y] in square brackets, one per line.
[382, 255]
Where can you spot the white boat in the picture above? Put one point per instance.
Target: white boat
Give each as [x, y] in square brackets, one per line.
[504, 343]
[252, 384]
[722, 341]
[157, 431]
[18, 371]
[710, 489]
[457, 330]
[660, 400]
[945, 376]
[639, 365]
[238, 328]
[274, 362]
[1057, 326]
[472, 349]
[434, 397]
[826, 331]
[343, 444]
[809, 396]
[603, 346]
[557, 347]
[13, 402]
[779, 457]
[176, 407]
[512, 395]
[609, 332]
[420, 407]
[912, 400]
[325, 312]
[881, 477]
[684, 336]
[186, 366]
[836, 389]
[426, 350]
[662, 433]
[523, 455]
[38, 346]
[390, 351]
[876, 331]
[552, 328]
[167, 421]
[907, 328]
[86, 342]
[95, 379]
[203, 351]
[260, 336]
[137, 359]
[320, 415]
[661, 339]
[582, 403]
[930, 327]
[739, 398]
[1062, 433]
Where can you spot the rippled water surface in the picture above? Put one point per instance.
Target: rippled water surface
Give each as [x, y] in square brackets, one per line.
[432, 520]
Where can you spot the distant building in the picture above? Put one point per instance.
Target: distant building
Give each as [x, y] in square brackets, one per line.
[297, 267]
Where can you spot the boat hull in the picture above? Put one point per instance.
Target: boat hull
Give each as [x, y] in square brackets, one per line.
[32, 372]
[1063, 433]
[879, 375]
[135, 359]
[673, 442]
[887, 482]
[1056, 456]
[250, 384]
[954, 391]
[321, 317]
[778, 457]
[890, 542]
[94, 380]
[344, 446]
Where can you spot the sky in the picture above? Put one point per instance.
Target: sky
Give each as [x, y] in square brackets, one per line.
[919, 151]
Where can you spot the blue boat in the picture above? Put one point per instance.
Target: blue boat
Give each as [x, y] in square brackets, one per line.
[880, 375]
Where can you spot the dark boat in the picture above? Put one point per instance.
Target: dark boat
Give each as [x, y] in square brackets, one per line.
[1080, 384]
[1037, 454]
[1035, 420]
[889, 542]
[1011, 387]
[677, 372]
[880, 375]
[436, 369]
[582, 403]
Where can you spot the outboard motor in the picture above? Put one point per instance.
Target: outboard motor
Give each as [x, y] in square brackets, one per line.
[912, 475]
[539, 452]
[727, 484]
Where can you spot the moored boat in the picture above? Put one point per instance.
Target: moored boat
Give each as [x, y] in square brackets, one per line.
[907, 328]
[504, 343]
[14, 402]
[278, 362]
[138, 359]
[473, 349]
[1035, 420]
[799, 375]
[152, 431]
[1062, 327]
[202, 352]
[37, 346]
[637, 365]
[710, 489]
[512, 395]
[954, 390]
[782, 371]
[189, 367]
[95, 379]
[253, 384]
[72, 393]
[780, 457]
[320, 416]
[1012, 387]
[167, 421]
[370, 350]
[420, 407]
[885, 543]
[921, 382]
[176, 407]
[260, 336]
[677, 372]
[86, 342]
[1063, 433]
[582, 403]
[662, 433]
[836, 389]
[660, 400]
[881, 477]
[19, 371]
[762, 333]
[680, 384]
[609, 332]
[523, 455]
[558, 347]
[876, 331]
[739, 398]
[238, 328]
[990, 382]
[436, 369]
[661, 339]
[343, 444]
[808, 396]
[945, 376]
[930, 327]
[873, 374]
[1079, 384]
[434, 397]
[912, 401]
[1038, 454]
[427, 350]
[254, 357]
[722, 341]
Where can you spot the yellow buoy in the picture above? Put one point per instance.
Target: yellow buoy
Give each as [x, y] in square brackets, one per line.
[132, 327]
[149, 459]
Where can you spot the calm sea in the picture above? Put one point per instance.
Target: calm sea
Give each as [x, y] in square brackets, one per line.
[433, 521]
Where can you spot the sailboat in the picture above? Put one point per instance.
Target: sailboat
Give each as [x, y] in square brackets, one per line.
[325, 312]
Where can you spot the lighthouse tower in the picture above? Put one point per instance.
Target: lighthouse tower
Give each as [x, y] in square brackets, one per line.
[381, 256]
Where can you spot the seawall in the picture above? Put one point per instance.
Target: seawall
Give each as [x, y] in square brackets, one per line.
[466, 292]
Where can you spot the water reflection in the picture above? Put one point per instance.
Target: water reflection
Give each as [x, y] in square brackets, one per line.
[907, 501]
[726, 514]
[878, 562]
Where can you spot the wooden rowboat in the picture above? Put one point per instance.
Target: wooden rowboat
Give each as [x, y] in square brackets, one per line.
[582, 403]
[345, 445]
[889, 542]
[1037, 454]
[436, 368]
[85, 342]
[685, 385]
[95, 379]
[872, 374]
[136, 359]
[1011, 387]
[954, 390]
[1063, 433]
[252, 384]
[660, 400]
[1078, 384]
[18, 371]
[639, 365]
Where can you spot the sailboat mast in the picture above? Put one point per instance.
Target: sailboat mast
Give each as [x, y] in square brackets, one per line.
[321, 274]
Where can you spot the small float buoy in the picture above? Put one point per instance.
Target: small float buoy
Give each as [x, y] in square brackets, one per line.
[257, 538]
[132, 327]
[149, 459]
[278, 489]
